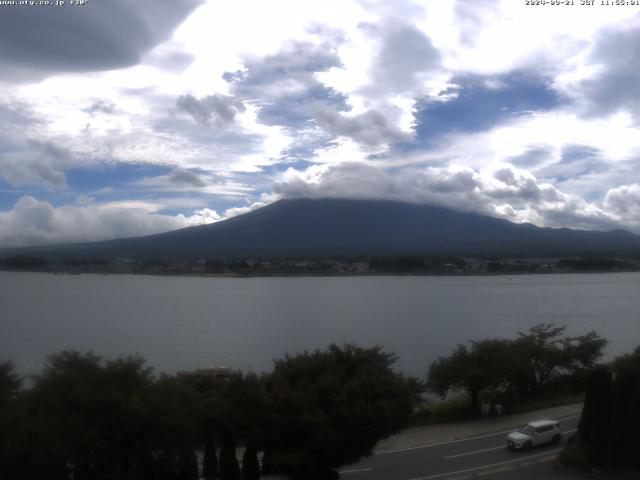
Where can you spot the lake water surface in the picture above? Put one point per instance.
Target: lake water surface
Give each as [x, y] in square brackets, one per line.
[188, 322]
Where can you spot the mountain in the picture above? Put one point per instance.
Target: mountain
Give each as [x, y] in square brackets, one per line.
[331, 228]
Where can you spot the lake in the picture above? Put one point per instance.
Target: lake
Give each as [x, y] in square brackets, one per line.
[181, 323]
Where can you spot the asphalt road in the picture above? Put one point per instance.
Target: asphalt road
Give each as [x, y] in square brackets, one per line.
[477, 456]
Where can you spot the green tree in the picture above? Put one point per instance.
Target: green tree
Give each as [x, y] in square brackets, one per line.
[229, 468]
[210, 458]
[10, 383]
[95, 414]
[550, 355]
[11, 417]
[523, 366]
[629, 360]
[187, 464]
[330, 408]
[595, 423]
[486, 364]
[250, 464]
[608, 428]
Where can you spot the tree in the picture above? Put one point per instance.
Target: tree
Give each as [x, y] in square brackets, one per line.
[487, 364]
[595, 422]
[549, 355]
[250, 464]
[210, 458]
[608, 427]
[95, 415]
[187, 464]
[629, 360]
[229, 468]
[523, 366]
[10, 383]
[329, 408]
[10, 420]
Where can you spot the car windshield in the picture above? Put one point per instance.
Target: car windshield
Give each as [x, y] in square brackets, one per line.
[527, 430]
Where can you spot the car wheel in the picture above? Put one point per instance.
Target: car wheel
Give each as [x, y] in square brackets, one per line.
[556, 439]
[526, 447]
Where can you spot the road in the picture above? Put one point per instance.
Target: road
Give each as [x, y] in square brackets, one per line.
[457, 459]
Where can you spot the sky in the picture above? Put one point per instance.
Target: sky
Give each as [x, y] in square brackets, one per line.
[122, 118]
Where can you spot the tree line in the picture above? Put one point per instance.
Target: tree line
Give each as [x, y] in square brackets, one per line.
[85, 417]
[540, 361]
[609, 429]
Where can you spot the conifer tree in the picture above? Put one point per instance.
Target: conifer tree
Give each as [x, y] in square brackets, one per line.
[188, 465]
[210, 460]
[595, 424]
[229, 468]
[250, 464]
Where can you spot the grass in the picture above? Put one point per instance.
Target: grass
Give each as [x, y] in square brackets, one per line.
[456, 408]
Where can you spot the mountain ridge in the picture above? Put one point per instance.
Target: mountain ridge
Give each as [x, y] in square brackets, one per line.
[348, 228]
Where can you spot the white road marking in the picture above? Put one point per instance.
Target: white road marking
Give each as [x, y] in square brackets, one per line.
[493, 448]
[356, 470]
[477, 451]
[488, 466]
[449, 442]
[495, 470]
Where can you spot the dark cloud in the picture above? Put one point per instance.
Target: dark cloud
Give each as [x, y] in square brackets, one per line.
[184, 177]
[101, 106]
[406, 54]
[617, 85]
[298, 61]
[217, 110]
[284, 85]
[369, 128]
[285, 88]
[35, 162]
[25, 160]
[39, 42]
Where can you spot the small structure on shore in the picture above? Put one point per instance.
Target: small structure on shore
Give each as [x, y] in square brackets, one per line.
[211, 373]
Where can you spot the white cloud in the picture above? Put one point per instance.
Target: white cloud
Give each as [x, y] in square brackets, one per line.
[33, 222]
[624, 202]
[331, 90]
[501, 190]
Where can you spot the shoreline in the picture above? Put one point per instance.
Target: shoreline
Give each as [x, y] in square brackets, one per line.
[325, 275]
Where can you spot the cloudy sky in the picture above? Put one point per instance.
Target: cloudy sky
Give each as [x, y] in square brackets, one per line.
[122, 118]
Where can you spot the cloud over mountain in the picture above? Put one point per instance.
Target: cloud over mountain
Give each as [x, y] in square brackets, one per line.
[492, 106]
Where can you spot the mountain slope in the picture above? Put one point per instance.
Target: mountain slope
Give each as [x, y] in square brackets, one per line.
[329, 227]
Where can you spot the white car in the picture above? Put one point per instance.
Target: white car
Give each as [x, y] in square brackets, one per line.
[535, 433]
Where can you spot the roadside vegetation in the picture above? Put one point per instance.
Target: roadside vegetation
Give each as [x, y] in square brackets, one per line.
[541, 367]
[609, 431]
[85, 417]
